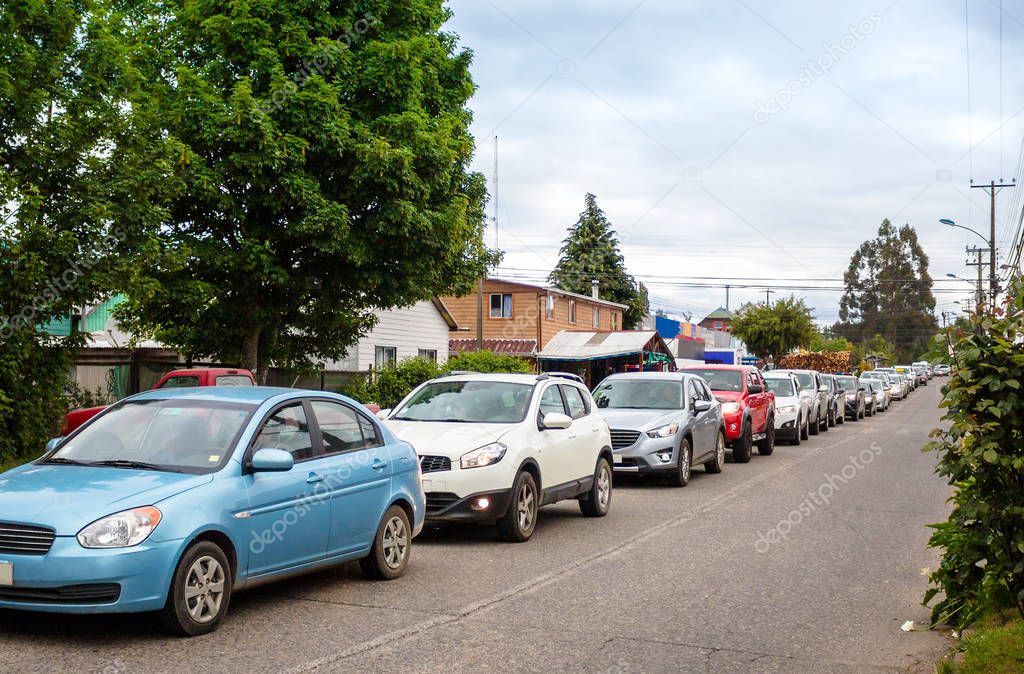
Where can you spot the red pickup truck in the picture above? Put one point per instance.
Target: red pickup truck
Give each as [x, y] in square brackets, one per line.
[175, 379]
[747, 406]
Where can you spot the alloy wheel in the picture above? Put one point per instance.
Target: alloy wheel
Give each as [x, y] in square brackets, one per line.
[604, 486]
[525, 504]
[204, 589]
[395, 542]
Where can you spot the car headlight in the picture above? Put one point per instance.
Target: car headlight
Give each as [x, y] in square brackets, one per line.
[787, 409]
[483, 456]
[121, 530]
[664, 431]
[730, 408]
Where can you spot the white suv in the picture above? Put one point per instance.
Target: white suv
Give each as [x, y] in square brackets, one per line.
[496, 447]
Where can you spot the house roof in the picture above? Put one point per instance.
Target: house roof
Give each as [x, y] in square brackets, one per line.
[507, 347]
[442, 309]
[559, 291]
[589, 345]
[721, 313]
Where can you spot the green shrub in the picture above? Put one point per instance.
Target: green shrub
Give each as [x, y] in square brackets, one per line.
[982, 455]
[487, 361]
[992, 649]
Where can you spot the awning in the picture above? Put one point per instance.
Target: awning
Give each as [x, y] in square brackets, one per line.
[570, 345]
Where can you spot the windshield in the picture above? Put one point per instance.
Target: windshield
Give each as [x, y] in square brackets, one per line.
[806, 380]
[721, 380]
[780, 387]
[639, 395]
[848, 383]
[481, 402]
[869, 384]
[189, 436]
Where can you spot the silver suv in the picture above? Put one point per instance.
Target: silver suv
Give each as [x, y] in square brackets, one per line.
[812, 385]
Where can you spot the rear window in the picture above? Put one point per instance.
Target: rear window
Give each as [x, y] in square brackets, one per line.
[848, 383]
[721, 380]
[181, 382]
[234, 380]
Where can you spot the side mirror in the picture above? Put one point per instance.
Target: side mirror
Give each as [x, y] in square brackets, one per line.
[823, 389]
[754, 389]
[556, 421]
[269, 460]
[52, 444]
[701, 405]
[383, 414]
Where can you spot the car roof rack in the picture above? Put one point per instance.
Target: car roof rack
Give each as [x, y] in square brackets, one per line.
[561, 375]
[458, 373]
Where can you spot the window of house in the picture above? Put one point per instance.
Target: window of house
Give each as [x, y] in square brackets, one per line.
[572, 311]
[384, 356]
[549, 312]
[615, 321]
[718, 325]
[429, 354]
[501, 305]
[597, 317]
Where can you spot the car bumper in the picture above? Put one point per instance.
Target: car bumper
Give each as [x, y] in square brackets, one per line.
[785, 426]
[484, 506]
[852, 408]
[733, 425]
[73, 579]
[648, 455]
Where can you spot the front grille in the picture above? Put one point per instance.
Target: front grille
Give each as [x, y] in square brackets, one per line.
[622, 439]
[96, 593]
[435, 464]
[23, 539]
[438, 501]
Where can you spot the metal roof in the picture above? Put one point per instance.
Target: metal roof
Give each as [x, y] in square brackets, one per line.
[587, 345]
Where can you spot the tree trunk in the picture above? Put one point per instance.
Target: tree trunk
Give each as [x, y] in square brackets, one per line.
[251, 354]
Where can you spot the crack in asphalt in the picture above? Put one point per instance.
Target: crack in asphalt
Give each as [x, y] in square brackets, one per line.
[546, 579]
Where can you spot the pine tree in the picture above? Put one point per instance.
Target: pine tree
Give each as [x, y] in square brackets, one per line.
[889, 292]
[591, 252]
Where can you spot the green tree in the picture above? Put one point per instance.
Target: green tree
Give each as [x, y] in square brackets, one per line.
[316, 169]
[774, 330]
[591, 253]
[889, 292]
[821, 342]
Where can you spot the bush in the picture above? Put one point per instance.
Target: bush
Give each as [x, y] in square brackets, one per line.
[982, 455]
[487, 361]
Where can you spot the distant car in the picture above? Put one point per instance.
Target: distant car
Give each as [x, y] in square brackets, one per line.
[942, 370]
[889, 381]
[748, 407]
[662, 424]
[856, 397]
[879, 400]
[172, 500]
[928, 370]
[820, 394]
[792, 410]
[837, 399]
[494, 448]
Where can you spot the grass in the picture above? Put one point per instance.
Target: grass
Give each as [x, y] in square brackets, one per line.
[996, 647]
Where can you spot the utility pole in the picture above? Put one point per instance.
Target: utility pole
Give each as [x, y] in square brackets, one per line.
[980, 264]
[992, 189]
[727, 298]
[768, 296]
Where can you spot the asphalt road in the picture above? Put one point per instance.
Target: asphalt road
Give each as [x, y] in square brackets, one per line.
[672, 580]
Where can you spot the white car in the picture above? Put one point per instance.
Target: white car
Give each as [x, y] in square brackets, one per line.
[494, 448]
[792, 410]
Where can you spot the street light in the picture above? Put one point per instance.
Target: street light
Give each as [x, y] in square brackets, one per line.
[950, 223]
[992, 283]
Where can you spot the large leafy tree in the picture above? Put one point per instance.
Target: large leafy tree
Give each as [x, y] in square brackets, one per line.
[889, 292]
[591, 252]
[774, 330]
[61, 88]
[315, 160]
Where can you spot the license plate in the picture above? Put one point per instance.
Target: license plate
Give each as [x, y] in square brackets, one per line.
[617, 458]
[428, 485]
[6, 573]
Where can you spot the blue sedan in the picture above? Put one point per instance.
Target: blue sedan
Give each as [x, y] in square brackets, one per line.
[171, 500]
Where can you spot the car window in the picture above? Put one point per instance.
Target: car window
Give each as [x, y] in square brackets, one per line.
[721, 380]
[234, 380]
[782, 387]
[342, 428]
[752, 379]
[642, 394]
[488, 402]
[577, 404]
[287, 429]
[551, 402]
[707, 391]
[181, 382]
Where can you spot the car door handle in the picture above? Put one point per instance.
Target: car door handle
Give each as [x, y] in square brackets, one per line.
[572, 435]
[379, 464]
[314, 477]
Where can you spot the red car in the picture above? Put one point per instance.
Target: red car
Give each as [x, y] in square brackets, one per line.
[747, 406]
[175, 379]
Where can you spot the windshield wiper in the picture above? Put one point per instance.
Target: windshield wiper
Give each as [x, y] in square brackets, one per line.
[63, 461]
[125, 463]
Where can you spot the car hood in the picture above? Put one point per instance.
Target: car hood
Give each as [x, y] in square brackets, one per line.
[68, 498]
[441, 438]
[638, 420]
[782, 401]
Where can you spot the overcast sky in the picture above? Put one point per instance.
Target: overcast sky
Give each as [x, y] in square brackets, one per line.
[745, 138]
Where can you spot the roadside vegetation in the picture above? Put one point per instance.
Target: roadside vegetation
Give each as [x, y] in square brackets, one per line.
[981, 453]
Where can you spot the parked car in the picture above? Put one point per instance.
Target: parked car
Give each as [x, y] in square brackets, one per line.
[172, 500]
[748, 407]
[921, 373]
[494, 448]
[878, 400]
[792, 410]
[913, 377]
[820, 393]
[889, 381]
[662, 424]
[856, 397]
[942, 370]
[927, 367]
[837, 399]
[174, 379]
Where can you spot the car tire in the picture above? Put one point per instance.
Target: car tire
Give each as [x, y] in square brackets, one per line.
[599, 499]
[816, 426]
[517, 525]
[742, 447]
[716, 464]
[767, 446]
[798, 436]
[392, 546]
[831, 421]
[194, 605]
[805, 430]
[824, 423]
[681, 476]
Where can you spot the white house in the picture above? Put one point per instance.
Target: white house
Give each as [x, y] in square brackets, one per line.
[420, 330]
